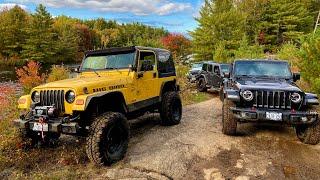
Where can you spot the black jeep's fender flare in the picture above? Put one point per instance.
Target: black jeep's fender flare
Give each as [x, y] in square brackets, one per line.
[204, 77]
[115, 94]
[232, 95]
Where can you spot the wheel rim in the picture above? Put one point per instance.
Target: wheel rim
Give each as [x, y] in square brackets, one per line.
[116, 137]
[176, 110]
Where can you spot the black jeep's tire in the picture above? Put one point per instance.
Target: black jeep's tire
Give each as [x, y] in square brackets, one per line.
[201, 85]
[170, 109]
[108, 138]
[309, 134]
[229, 123]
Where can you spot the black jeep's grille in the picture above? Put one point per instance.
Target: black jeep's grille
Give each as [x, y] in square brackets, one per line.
[52, 97]
[272, 99]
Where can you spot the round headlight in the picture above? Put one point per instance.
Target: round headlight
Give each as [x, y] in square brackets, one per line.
[70, 96]
[295, 98]
[35, 96]
[247, 95]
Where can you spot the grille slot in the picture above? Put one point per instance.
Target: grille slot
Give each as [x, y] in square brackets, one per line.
[272, 99]
[52, 97]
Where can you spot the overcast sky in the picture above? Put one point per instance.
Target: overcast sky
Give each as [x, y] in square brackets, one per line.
[174, 15]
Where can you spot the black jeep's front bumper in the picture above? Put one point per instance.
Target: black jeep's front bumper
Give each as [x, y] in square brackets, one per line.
[54, 126]
[288, 116]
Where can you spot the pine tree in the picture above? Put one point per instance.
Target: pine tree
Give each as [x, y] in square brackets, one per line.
[285, 21]
[40, 44]
[13, 25]
[220, 20]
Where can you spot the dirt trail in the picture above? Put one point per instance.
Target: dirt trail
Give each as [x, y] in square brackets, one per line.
[196, 149]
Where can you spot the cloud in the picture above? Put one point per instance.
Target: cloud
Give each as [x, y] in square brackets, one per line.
[137, 7]
[4, 6]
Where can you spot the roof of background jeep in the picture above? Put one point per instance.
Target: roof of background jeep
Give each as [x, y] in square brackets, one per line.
[268, 60]
[123, 49]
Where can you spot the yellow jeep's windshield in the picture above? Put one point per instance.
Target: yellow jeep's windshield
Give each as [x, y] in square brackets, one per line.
[109, 61]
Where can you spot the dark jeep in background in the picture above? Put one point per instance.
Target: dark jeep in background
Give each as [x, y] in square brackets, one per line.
[211, 76]
[194, 71]
[265, 91]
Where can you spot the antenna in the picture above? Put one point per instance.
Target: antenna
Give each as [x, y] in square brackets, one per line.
[317, 23]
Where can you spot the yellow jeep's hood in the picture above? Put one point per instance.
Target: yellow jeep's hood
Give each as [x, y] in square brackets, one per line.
[92, 83]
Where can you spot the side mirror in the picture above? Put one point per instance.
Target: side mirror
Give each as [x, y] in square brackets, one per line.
[296, 77]
[77, 69]
[226, 75]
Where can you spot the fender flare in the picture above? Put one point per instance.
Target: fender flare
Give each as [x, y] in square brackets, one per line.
[101, 94]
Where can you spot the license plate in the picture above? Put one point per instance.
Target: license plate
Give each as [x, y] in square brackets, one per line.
[274, 116]
[40, 127]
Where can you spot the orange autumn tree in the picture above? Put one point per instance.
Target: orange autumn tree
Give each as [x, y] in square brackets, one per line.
[29, 76]
[178, 44]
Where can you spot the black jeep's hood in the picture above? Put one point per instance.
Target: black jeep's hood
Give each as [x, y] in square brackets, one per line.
[269, 84]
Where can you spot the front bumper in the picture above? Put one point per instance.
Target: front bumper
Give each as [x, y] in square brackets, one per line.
[53, 126]
[288, 116]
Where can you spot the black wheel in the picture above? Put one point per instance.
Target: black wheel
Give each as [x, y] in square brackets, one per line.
[170, 109]
[108, 138]
[309, 134]
[229, 123]
[202, 85]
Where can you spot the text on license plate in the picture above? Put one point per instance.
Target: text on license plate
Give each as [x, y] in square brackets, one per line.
[274, 116]
[40, 127]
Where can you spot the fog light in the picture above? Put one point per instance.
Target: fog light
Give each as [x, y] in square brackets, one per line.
[79, 102]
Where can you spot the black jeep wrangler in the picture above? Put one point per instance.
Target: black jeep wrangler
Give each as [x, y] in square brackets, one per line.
[265, 91]
[211, 76]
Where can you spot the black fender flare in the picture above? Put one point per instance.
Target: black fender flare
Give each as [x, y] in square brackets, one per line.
[103, 94]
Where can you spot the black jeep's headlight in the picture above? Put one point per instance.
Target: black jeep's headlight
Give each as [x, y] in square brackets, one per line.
[247, 95]
[295, 98]
[70, 96]
[35, 96]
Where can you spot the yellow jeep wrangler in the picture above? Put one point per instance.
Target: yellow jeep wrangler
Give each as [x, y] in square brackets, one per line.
[113, 86]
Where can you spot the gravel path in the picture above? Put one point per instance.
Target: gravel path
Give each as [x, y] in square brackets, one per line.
[196, 149]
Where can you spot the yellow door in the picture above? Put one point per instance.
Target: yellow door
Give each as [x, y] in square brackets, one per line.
[146, 75]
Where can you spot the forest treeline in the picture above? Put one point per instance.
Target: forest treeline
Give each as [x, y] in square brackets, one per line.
[230, 28]
[41, 37]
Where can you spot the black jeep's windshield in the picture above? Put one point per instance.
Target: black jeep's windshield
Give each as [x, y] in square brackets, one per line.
[197, 65]
[262, 69]
[225, 68]
[108, 61]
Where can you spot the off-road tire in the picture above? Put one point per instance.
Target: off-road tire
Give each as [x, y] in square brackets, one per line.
[99, 147]
[201, 85]
[229, 123]
[309, 134]
[170, 109]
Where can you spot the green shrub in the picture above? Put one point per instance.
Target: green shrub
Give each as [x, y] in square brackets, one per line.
[290, 52]
[58, 73]
[310, 61]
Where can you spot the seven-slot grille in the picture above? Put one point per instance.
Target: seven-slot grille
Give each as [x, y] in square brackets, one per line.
[272, 99]
[52, 97]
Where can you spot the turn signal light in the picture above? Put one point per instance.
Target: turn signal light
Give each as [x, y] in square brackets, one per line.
[79, 102]
[22, 101]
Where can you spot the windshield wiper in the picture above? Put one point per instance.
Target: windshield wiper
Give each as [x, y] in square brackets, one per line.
[94, 70]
